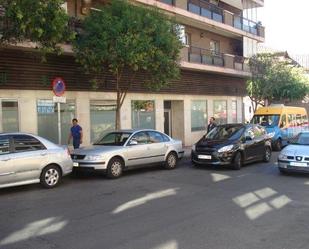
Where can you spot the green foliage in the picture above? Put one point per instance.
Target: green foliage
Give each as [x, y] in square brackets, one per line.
[41, 21]
[122, 36]
[275, 80]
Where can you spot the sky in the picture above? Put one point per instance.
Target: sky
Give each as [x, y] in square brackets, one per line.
[287, 25]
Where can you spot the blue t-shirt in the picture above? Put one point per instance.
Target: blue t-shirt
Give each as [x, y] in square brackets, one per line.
[75, 131]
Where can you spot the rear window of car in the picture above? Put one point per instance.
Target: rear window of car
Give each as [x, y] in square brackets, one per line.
[156, 137]
[4, 145]
[26, 143]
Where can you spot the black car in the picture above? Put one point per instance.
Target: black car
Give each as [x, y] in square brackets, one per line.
[232, 144]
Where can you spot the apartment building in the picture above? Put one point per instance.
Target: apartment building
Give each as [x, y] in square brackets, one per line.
[218, 36]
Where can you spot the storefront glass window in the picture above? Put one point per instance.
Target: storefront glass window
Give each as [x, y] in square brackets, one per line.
[102, 117]
[234, 111]
[10, 121]
[143, 114]
[220, 111]
[48, 119]
[198, 115]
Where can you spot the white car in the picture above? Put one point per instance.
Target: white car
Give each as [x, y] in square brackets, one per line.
[26, 159]
[295, 156]
[125, 149]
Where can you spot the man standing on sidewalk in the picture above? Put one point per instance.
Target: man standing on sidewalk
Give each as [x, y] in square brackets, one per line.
[211, 124]
[76, 133]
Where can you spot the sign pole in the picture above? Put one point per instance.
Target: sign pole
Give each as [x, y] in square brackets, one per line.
[59, 124]
[58, 86]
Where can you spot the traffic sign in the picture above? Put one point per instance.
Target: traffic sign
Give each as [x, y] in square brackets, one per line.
[58, 86]
[59, 99]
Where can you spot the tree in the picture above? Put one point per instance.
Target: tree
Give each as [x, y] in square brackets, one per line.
[275, 80]
[125, 39]
[41, 21]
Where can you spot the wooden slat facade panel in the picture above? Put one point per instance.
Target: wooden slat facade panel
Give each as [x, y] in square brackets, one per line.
[24, 70]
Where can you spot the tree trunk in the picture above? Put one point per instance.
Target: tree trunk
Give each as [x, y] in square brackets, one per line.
[118, 108]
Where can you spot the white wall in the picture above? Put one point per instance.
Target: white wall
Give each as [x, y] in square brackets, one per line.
[182, 104]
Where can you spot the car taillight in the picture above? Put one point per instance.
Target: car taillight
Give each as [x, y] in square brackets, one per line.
[68, 151]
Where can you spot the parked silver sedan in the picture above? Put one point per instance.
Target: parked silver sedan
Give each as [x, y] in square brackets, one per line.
[295, 156]
[26, 159]
[125, 149]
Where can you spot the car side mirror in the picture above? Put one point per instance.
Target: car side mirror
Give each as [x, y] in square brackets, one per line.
[133, 142]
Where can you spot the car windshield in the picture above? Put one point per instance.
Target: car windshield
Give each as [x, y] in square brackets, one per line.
[114, 139]
[266, 120]
[225, 132]
[300, 139]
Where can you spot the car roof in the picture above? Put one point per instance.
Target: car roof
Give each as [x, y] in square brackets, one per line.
[233, 125]
[17, 133]
[133, 130]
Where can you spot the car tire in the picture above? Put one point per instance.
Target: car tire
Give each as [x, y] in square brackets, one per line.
[194, 164]
[115, 168]
[50, 176]
[237, 163]
[282, 171]
[278, 144]
[171, 161]
[267, 154]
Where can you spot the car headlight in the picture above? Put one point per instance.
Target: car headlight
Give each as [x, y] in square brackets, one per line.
[93, 157]
[226, 148]
[193, 147]
[282, 156]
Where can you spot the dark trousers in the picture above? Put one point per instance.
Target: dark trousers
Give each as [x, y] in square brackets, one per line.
[76, 143]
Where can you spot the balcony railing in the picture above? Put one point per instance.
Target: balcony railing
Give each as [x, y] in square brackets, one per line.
[205, 56]
[213, 12]
[206, 9]
[210, 57]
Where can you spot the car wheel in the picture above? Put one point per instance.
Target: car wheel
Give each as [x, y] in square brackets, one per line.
[278, 144]
[194, 164]
[267, 155]
[237, 163]
[282, 171]
[50, 176]
[115, 168]
[171, 161]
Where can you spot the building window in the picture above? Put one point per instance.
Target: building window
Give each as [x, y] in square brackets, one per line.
[143, 114]
[198, 115]
[215, 47]
[48, 119]
[188, 39]
[10, 120]
[102, 118]
[234, 111]
[220, 111]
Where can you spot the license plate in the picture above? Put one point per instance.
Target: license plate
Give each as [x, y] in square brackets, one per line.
[75, 164]
[204, 156]
[298, 164]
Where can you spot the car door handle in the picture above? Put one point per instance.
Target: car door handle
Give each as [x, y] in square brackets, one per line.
[7, 159]
[43, 154]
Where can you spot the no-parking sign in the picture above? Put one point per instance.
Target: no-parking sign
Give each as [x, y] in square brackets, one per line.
[58, 86]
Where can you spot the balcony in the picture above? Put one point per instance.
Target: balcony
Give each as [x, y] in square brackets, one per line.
[201, 59]
[213, 12]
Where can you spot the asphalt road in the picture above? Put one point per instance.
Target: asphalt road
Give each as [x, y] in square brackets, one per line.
[186, 208]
